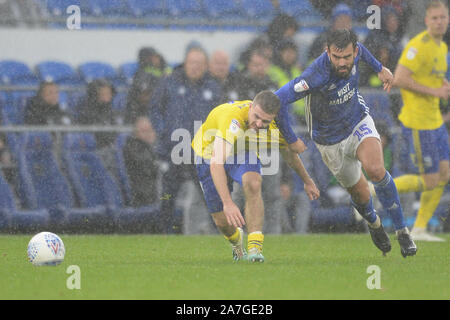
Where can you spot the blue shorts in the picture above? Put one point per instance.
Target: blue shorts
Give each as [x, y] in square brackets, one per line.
[234, 171]
[426, 148]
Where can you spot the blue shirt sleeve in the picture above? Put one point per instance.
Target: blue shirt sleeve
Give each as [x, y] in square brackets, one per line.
[369, 58]
[314, 76]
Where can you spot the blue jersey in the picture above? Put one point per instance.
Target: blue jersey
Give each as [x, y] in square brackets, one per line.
[333, 104]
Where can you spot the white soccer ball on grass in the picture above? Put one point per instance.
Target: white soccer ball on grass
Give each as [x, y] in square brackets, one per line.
[46, 249]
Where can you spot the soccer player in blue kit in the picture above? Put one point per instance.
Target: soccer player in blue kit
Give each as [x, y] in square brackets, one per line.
[340, 125]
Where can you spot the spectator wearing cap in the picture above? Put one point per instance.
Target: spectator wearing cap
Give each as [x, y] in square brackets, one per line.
[341, 19]
[180, 100]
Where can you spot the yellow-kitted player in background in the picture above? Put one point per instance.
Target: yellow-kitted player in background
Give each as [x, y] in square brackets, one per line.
[420, 74]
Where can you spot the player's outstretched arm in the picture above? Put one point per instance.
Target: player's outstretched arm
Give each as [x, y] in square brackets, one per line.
[222, 149]
[404, 80]
[294, 161]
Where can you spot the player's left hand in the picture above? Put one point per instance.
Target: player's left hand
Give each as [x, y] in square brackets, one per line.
[385, 76]
[311, 190]
[298, 146]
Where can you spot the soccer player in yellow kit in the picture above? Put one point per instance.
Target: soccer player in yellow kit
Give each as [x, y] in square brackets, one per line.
[420, 74]
[229, 147]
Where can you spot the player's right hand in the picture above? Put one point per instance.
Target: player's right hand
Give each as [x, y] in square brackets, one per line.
[233, 214]
[443, 92]
[311, 190]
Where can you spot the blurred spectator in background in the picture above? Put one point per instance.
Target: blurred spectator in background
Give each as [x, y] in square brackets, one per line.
[151, 62]
[402, 10]
[341, 19]
[141, 163]
[96, 109]
[261, 44]
[44, 109]
[286, 67]
[385, 44]
[254, 77]
[139, 96]
[219, 65]
[182, 98]
[219, 69]
[282, 27]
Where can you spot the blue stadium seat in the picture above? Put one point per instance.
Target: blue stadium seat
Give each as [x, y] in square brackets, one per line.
[19, 100]
[94, 70]
[302, 10]
[222, 9]
[142, 8]
[13, 219]
[119, 105]
[13, 110]
[64, 102]
[261, 10]
[185, 8]
[95, 186]
[127, 71]
[108, 8]
[58, 72]
[58, 7]
[73, 100]
[16, 72]
[43, 185]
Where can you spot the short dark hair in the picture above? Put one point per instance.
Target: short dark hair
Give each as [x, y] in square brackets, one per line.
[341, 38]
[268, 101]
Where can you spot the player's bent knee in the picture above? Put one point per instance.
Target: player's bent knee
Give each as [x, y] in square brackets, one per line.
[252, 186]
[375, 172]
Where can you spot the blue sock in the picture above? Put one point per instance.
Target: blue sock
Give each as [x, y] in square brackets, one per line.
[388, 196]
[366, 211]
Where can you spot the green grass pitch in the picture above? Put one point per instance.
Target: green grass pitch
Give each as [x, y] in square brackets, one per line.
[315, 266]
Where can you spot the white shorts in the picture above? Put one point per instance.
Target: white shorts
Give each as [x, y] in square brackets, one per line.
[341, 157]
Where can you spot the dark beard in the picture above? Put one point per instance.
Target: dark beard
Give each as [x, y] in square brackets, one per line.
[340, 75]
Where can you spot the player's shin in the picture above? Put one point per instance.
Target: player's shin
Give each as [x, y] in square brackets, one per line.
[368, 213]
[429, 200]
[388, 196]
[409, 183]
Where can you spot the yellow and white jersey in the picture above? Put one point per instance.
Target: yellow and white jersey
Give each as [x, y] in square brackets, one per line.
[229, 121]
[428, 62]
